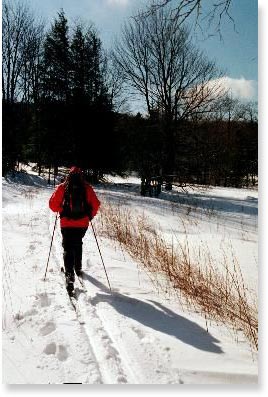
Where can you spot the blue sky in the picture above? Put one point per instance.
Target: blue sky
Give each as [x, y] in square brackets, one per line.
[237, 53]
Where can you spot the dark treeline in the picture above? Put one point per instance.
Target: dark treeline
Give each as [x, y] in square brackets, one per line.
[61, 94]
[209, 152]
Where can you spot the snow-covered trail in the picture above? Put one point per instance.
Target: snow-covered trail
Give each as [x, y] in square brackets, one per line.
[132, 335]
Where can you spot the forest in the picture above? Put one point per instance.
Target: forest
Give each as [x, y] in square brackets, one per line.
[65, 101]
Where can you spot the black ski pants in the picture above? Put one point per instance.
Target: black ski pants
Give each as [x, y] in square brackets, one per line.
[72, 247]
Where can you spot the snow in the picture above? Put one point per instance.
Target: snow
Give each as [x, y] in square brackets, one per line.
[134, 334]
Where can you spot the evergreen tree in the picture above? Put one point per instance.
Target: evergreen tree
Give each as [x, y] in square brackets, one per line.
[56, 62]
[53, 130]
[88, 67]
[80, 66]
[91, 113]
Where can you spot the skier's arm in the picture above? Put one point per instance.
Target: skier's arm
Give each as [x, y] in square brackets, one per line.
[56, 200]
[93, 201]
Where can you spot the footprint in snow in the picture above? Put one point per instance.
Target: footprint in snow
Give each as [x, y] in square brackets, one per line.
[121, 379]
[62, 353]
[44, 299]
[48, 328]
[139, 332]
[21, 316]
[50, 348]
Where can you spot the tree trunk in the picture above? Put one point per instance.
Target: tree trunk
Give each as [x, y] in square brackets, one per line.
[49, 174]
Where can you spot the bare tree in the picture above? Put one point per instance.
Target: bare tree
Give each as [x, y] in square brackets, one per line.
[132, 59]
[248, 111]
[176, 80]
[21, 43]
[210, 17]
[31, 70]
[232, 109]
[158, 60]
[114, 82]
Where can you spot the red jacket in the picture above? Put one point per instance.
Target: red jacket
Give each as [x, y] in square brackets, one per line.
[56, 205]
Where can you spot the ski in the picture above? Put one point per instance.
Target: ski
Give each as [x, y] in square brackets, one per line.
[81, 281]
[74, 303]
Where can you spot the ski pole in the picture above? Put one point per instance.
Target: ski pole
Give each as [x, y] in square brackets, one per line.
[51, 245]
[101, 256]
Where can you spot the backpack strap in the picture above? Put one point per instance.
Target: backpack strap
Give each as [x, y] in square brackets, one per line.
[66, 205]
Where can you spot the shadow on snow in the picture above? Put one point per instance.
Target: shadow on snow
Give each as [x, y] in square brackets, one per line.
[156, 316]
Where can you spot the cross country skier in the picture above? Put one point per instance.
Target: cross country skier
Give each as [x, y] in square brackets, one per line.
[77, 204]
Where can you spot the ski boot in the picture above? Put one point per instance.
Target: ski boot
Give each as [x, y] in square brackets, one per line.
[70, 288]
[79, 272]
[69, 284]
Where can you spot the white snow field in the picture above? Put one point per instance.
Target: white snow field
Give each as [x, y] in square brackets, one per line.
[134, 334]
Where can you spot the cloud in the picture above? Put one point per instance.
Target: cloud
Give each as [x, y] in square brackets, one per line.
[240, 88]
[118, 2]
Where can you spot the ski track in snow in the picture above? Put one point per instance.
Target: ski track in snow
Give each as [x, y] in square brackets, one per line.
[132, 335]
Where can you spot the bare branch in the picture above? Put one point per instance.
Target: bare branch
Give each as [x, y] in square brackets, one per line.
[157, 59]
[207, 21]
[22, 37]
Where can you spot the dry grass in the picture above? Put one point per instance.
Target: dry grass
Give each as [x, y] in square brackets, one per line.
[222, 297]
